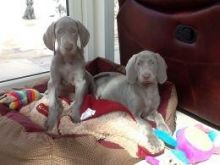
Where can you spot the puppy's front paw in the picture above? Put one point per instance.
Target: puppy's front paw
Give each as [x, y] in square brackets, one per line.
[75, 115]
[155, 144]
[165, 128]
[49, 124]
[52, 119]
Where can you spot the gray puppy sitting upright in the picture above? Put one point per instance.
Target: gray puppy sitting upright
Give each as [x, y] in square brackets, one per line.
[67, 38]
[138, 89]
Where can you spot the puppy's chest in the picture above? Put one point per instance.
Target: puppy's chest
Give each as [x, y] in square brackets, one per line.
[69, 73]
[150, 99]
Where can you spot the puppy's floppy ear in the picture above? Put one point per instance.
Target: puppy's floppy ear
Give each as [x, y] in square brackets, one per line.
[49, 37]
[131, 72]
[83, 34]
[161, 69]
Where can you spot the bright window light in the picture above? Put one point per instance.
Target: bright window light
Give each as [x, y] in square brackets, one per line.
[23, 23]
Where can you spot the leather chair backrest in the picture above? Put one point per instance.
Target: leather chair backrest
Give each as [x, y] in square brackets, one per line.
[187, 34]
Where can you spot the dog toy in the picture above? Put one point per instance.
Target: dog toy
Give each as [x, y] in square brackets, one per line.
[180, 155]
[197, 149]
[165, 137]
[213, 135]
[151, 160]
[187, 147]
[18, 98]
[215, 138]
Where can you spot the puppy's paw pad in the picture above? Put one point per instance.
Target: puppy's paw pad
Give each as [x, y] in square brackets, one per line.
[155, 145]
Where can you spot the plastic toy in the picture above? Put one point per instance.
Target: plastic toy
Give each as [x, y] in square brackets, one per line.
[166, 138]
[188, 147]
[198, 149]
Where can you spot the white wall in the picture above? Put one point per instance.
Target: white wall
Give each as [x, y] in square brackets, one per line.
[98, 17]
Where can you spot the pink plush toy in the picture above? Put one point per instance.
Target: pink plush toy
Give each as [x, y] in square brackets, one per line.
[196, 144]
[192, 145]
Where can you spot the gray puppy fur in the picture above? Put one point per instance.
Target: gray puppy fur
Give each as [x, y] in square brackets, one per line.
[67, 38]
[138, 89]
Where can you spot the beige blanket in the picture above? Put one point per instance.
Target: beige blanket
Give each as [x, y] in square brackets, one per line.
[18, 147]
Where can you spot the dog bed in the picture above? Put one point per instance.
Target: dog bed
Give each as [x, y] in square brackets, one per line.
[25, 142]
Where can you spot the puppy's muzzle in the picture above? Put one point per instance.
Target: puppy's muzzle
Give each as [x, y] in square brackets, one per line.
[68, 46]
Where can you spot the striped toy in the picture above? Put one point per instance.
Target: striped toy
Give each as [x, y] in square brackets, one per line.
[18, 98]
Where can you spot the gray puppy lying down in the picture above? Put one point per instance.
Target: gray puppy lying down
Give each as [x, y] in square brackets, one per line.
[67, 38]
[138, 89]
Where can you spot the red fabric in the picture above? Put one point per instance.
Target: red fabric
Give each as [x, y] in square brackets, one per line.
[43, 109]
[109, 144]
[4, 109]
[41, 87]
[24, 121]
[165, 94]
[102, 107]
[103, 65]
[143, 152]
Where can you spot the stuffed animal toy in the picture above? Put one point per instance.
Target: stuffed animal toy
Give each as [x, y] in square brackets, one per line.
[18, 98]
[188, 148]
[213, 135]
[198, 149]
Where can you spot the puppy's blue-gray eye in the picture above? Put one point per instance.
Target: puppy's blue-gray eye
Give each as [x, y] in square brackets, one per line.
[139, 63]
[72, 30]
[151, 62]
[59, 31]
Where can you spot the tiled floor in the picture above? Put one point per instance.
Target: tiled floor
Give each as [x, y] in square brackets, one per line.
[184, 121]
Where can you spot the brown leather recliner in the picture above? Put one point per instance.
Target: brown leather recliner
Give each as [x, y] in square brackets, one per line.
[187, 34]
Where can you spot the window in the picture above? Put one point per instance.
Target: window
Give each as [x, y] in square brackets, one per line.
[23, 23]
[22, 51]
[116, 44]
